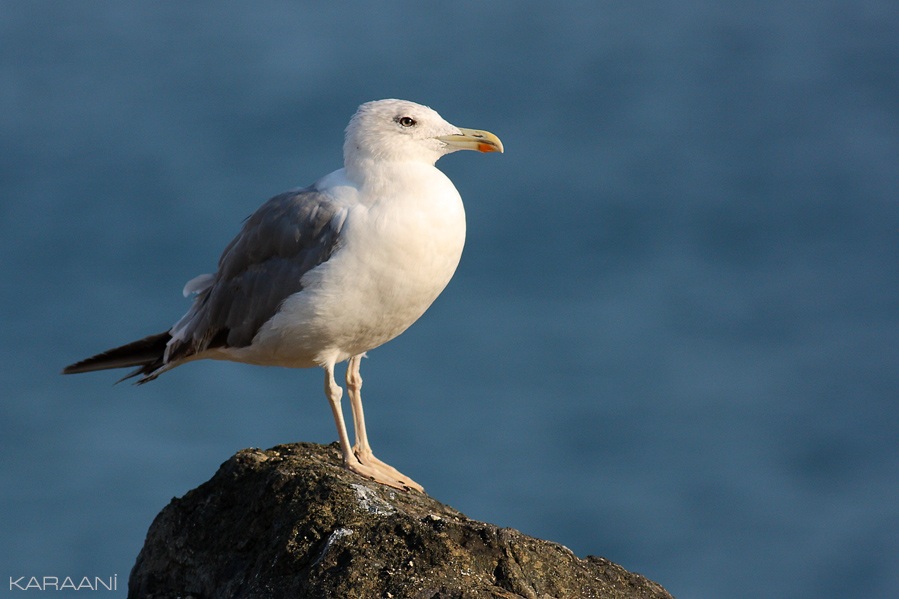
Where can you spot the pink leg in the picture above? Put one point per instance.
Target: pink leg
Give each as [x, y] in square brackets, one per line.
[362, 449]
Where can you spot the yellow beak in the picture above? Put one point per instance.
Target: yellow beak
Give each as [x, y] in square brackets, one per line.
[473, 139]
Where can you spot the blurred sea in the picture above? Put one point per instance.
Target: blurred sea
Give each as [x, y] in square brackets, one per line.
[673, 339]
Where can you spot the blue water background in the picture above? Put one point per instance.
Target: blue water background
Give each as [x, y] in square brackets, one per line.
[673, 339]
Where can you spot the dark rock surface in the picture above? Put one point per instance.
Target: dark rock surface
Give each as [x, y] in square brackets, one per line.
[291, 522]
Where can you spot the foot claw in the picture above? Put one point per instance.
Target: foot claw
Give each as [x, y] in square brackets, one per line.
[385, 474]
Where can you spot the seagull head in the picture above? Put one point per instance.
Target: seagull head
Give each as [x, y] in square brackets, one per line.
[403, 131]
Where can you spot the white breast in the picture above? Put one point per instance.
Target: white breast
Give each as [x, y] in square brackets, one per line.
[398, 251]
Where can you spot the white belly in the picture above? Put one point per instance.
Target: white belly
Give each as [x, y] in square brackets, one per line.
[396, 256]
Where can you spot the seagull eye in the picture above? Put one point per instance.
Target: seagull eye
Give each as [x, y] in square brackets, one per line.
[405, 121]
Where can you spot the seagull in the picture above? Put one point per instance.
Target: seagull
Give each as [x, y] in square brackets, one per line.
[321, 275]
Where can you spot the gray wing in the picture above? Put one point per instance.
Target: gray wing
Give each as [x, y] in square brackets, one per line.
[285, 238]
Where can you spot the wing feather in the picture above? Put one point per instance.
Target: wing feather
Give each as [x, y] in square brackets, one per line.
[263, 265]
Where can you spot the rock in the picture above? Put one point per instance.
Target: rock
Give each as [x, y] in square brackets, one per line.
[292, 522]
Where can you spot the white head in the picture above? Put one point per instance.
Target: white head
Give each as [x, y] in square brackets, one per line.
[403, 131]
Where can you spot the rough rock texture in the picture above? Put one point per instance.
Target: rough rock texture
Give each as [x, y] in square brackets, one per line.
[291, 522]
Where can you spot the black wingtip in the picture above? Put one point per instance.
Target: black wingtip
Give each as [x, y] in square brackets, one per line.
[146, 354]
[79, 367]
